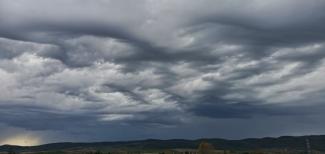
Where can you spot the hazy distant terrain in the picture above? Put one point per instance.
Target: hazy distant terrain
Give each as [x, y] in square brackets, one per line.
[285, 143]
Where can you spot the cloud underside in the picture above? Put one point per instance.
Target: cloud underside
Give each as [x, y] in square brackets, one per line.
[115, 64]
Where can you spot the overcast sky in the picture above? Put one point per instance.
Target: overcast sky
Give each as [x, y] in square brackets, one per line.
[95, 70]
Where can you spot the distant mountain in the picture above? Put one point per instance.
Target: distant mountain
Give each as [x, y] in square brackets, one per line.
[317, 142]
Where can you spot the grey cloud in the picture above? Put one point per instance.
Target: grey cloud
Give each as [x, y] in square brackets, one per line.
[94, 66]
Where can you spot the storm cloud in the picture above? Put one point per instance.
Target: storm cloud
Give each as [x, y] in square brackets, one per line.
[89, 70]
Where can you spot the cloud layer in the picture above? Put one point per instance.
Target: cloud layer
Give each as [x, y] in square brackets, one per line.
[115, 70]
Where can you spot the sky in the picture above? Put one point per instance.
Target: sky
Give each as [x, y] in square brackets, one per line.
[108, 70]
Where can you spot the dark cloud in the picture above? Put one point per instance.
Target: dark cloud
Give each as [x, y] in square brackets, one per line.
[111, 70]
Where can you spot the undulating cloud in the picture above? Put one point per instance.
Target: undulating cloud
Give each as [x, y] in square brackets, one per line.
[117, 70]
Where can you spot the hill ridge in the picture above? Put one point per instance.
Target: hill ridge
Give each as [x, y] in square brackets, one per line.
[288, 142]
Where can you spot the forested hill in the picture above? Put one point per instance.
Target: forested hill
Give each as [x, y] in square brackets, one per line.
[285, 142]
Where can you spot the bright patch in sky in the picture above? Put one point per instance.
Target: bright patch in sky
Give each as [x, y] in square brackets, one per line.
[22, 140]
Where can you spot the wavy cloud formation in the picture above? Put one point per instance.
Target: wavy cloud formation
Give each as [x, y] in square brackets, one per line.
[114, 70]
